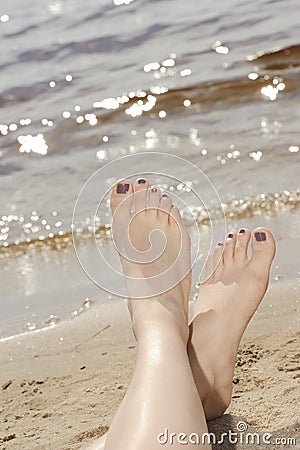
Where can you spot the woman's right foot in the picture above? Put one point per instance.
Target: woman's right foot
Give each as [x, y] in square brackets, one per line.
[227, 300]
[154, 249]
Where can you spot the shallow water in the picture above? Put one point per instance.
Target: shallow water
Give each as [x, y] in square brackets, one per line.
[216, 84]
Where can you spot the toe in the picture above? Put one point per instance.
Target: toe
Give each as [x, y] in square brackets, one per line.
[175, 213]
[122, 195]
[154, 196]
[229, 246]
[209, 266]
[140, 194]
[165, 206]
[241, 245]
[263, 249]
[218, 259]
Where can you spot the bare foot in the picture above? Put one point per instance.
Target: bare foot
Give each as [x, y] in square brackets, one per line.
[154, 248]
[227, 301]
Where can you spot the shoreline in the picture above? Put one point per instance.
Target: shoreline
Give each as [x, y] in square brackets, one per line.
[64, 384]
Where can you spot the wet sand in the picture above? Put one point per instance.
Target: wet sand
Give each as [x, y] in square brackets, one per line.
[61, 387]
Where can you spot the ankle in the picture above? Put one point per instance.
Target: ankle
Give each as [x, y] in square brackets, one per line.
[165, 338]
[155, 321]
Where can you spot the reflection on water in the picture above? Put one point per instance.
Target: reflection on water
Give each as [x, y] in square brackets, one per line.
[80, 88]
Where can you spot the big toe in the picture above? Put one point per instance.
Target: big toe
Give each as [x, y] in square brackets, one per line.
[121, 197]
[263, 249]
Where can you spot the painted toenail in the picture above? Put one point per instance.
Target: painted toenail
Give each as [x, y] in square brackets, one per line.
[154, 190]
[142, 181]
[230, 235]
[164, 195]
[122, 188]
[242, 231]
[260, 236]
[220, 244]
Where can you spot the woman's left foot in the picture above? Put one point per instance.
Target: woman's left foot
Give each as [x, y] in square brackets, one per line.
[227, 301]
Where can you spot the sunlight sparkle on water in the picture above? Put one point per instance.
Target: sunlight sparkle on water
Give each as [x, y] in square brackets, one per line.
[151, 66]
[107, 103]
[36, 144]
[101, 154]
[270, 92]
[185, 72]
[256, 156]
[91, 118]
[220, 48]
[137, 109]
[25, 122]
[122, 2]
[4, 18]
[4, 129]
[253, 76]
[168, 62]
[158, 90]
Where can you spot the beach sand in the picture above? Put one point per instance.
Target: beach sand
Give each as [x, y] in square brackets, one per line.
[61, 387]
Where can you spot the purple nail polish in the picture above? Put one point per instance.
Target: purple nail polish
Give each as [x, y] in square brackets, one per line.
[230, 235]
[164, 195]
[242, 231]
[154, 190]
[220, 244]
[122, 188]
[141, 181]
[260, 236]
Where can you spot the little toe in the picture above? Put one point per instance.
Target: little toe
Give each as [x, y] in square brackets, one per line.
[165, 206]
[140, 194]
[122, 195]
[241, 245]
[263, 249]
[218, 259]
[229, 246]
[154, 196]
[209, 266]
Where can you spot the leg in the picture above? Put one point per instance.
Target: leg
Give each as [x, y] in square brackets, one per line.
[227, 301]
[162, 394]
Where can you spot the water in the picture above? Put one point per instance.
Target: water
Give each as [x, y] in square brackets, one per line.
[217, 84]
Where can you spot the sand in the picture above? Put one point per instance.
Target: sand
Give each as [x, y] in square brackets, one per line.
[61, 387]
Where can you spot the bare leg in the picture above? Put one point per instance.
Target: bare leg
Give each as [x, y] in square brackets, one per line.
[227, 301]
[162, 394]
[226, 304]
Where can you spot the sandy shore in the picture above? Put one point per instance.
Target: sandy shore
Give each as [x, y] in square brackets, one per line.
[61, 387]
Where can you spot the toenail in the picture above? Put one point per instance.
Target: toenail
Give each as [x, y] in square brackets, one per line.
[230, 235]
[242, 231]
[164, 195]
[142, 181]
[260, 236]
[122, 188]
[220, 244]
[154, 190]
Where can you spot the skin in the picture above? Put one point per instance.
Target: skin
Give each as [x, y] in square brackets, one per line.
[190, 368]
